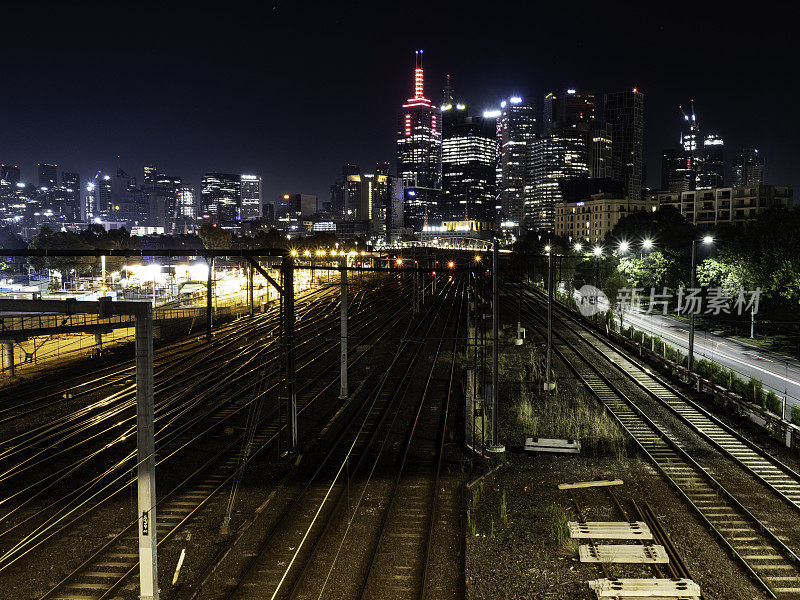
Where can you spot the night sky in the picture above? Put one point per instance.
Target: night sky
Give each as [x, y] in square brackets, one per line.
[293, 90]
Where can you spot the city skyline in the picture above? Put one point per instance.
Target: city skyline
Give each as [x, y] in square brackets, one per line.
[191, 134]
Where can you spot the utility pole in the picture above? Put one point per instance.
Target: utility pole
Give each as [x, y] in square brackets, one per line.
[343, 362]
[209, 298]
[145, 446]
[495, 447]
[690, 357]
[145, 443]
[549, 384]
[250, 293]
[287, 272]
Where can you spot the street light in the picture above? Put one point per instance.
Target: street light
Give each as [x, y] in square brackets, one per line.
[624, 247]
[549, 384]
[707, 240]
[598, 252]
[578, 247]
[647, 244]
[451, 264]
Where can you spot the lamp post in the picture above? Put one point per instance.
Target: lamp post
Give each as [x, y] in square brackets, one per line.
[690, 359]
[549, 385]
[598, 252]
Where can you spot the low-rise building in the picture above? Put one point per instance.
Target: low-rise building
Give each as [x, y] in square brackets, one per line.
[591, 219]
[732, 205]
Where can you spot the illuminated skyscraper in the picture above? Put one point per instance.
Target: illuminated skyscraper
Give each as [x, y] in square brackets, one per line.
[419, 153]
[556, 158]
[517, 134]
[566, 108]
[48, 175]
[748, 169]
[10, 173]
[251, 197]
[624, 121]
[712, 167]
[469, 162]
[71, 184]
[150, 174]
[220, 198]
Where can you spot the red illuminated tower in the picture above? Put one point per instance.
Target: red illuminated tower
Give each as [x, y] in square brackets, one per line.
[419, 153]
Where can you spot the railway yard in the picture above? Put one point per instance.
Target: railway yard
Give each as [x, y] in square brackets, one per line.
[387, 494]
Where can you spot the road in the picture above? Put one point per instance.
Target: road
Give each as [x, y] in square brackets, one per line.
[778, 372]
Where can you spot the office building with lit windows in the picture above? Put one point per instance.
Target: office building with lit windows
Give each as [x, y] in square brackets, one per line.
[469, 164]
[555, 158]
[517, 132]
[419, 153]
[220, 198]
[623, 113]
[251, 197]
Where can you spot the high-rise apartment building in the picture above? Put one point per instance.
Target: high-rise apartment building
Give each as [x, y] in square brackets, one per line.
[623, 113]
[220, 198]
[748, 168]
[48, 175]
[251, 197]
[567, 108]
[469, 164]
[419, 153]
[517, 133]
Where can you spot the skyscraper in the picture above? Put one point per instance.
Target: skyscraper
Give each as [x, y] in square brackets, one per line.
[748, 168]
[469, 162]
[339, 190]
[251, 197]
[556, 158]
[712, 167]
[623, 113]
[517, 133]
[48, 175]
[566, 108]
[419, 153]
[150, 175]
[71, 182]
[10, 173]
[220, 198]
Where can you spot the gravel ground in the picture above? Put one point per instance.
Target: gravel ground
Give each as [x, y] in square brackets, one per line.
[516, 545]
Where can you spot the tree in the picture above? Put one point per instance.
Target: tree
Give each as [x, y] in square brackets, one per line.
[214, 238]
[654, 270]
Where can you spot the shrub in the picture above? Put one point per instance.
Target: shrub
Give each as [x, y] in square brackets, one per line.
[738, 386]
[755, 392]
[796, 415]
[774, 404]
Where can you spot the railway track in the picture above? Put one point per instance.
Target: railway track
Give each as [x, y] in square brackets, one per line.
[186, 506]
[760, 550]
[290, 561]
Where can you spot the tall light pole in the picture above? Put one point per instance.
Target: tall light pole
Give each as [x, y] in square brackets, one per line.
[495, 447]
[598, 252]
[549, 385]
[706, 240]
